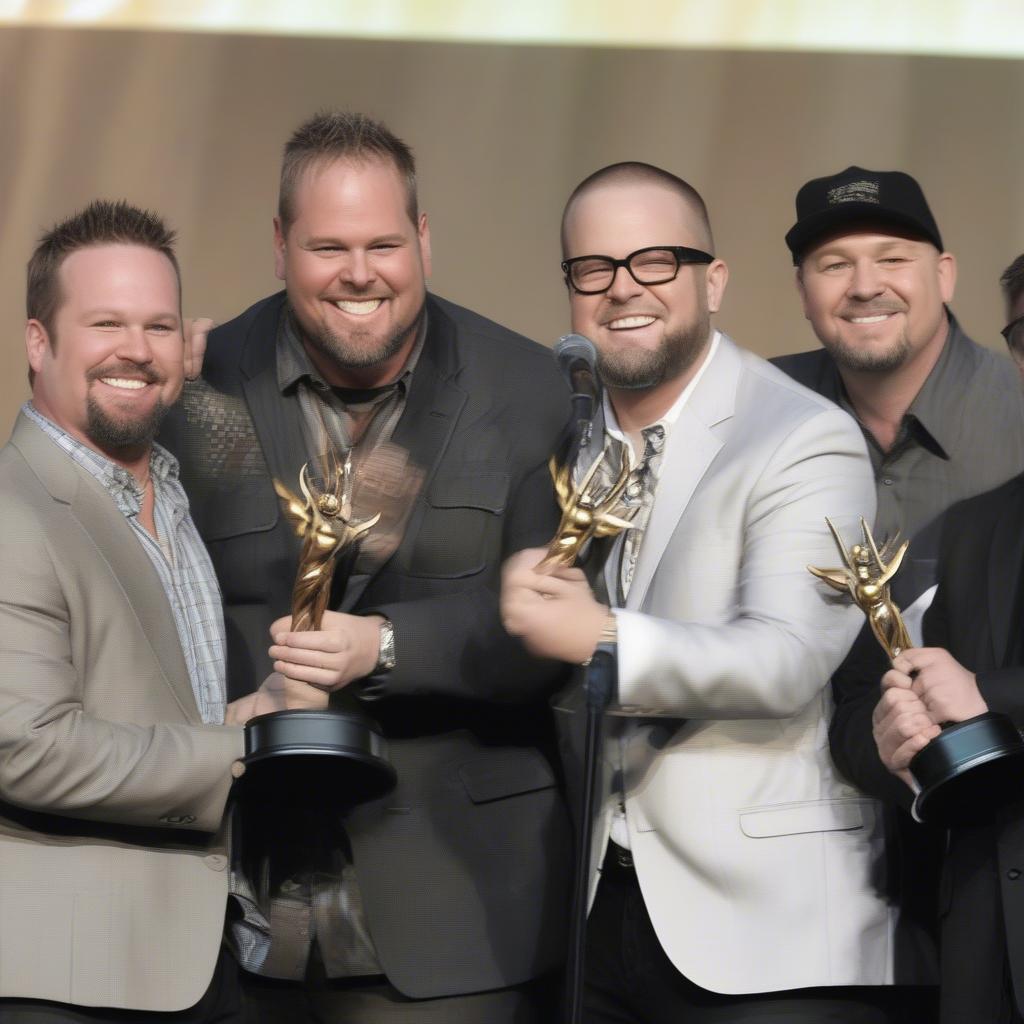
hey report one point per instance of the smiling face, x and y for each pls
(645, 335)
(355, 268)
(875, 300)
(113, 363)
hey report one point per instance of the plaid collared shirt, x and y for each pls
(179, 557)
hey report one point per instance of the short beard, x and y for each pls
(638, 370)
(121, 435)
(345, 352)
(849, 357)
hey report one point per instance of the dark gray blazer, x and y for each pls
(464, 866)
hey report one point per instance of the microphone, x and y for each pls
(577, 359)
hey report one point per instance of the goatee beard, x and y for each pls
(639, 370)
(122, 435)
(848, 357)
(346, 352)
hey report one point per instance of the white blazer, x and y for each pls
(755, 860)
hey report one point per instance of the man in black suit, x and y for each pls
(455, 910)
(972, 662)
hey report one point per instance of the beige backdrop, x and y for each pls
(192, 125)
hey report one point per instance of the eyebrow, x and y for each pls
(110, 311)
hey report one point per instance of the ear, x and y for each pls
(947, 275)
(279, 247)
(801, 290)
(715, 280)
(423, 233)
(37, 344)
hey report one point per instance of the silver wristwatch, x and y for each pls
(386, 657)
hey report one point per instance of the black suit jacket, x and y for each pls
(976, 615)
(464, 866)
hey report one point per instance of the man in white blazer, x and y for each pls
(736, 878)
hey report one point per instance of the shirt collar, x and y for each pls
(942, 390)
(928, 414)
(668, 421)
(115, 479)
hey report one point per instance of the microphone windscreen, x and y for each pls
(571, 347)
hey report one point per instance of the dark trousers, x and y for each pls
(374, 1001)
(220, 1004)
(630, 980)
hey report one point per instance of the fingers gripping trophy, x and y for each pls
(970, 766)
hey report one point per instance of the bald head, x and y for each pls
(633, 173)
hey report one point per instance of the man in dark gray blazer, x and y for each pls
(456, 907)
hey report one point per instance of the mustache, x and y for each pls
(135, 371)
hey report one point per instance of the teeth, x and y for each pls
(360, 308)
(128, 383)
(870, 319)
(626, 322)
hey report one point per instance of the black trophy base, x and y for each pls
(328, 760)
(968, 770)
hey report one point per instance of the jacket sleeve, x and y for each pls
(787, 631)
(57, 755)
(454, 644)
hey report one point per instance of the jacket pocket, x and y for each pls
(805, 816)
(505, 773)
(459, 531)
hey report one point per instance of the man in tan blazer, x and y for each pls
(736, 879)
(115, 764)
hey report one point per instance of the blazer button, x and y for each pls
(216, 861)
(1013, 874)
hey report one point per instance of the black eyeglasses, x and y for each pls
(1013, 332)
(657, 264)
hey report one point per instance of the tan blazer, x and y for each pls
(113, 879)
(754, 857)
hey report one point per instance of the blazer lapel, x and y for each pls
(1006, 555)
(117, 544)
(690, 449)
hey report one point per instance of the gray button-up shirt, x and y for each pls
(962, 435)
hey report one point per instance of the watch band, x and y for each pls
(386, 655)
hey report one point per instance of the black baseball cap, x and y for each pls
(824, 205)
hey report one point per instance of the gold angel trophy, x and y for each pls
(971, 766)
(591, 509)
(334, 757)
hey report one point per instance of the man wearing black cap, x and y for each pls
(875, 281)
(944, 420)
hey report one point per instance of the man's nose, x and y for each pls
(866, 281)
(357, 270)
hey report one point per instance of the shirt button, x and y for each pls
(1013, 874)
(633, 490)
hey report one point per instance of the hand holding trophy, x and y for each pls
(304, 769)
(972, 765)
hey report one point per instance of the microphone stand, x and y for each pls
(600, 682)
